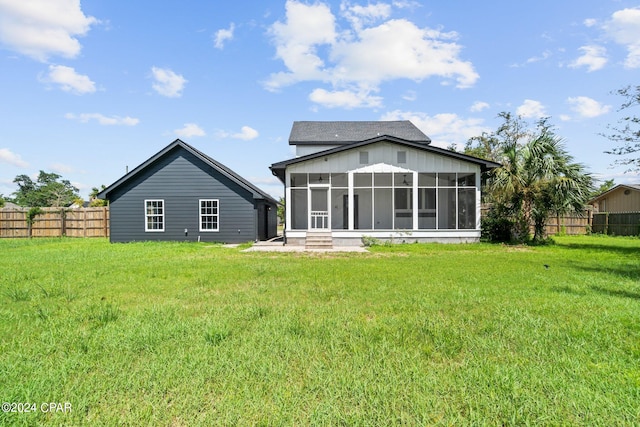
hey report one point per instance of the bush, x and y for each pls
(496, 226)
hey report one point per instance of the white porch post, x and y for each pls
(350, 202)
(478, 199)
(287, 202)
(415, 200)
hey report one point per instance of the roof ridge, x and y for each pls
(204, 157)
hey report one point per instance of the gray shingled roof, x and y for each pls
(339, 133)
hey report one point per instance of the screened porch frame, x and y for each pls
(386, 214)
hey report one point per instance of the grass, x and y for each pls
(193, 334)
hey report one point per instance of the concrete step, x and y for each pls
(319, 240)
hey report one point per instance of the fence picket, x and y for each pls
(94, 222)
(618, 224)
(56, 222)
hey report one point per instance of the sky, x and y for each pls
(90, 88)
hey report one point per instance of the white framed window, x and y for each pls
(209, 215)
(154, 215)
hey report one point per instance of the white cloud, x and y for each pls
(399, 49)
(344, 98)
(102, 119)
(11, 158)
(443, 129)
(365, 15)
(479, 106)
(624, 29)
(69, 80)
(307, 26)
(190, 130)
(167, 83)
(531, 109)
(406, 4)
(593, 57)
(61, 168)
(223, 35)
(589, 22)
(410, 95)
(587, 107)
(359, 59)
(542, 57)
(545, 55)
(43, 28)
(246, 134)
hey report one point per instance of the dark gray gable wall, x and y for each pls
(181, 180)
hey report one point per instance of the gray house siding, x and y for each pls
(181, 179)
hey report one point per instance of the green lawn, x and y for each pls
(196, 334)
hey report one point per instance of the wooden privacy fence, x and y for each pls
(619, 224)
(94, 222)
(56, 222)
(568, 224)
(572, 223)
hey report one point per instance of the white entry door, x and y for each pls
(319, 212)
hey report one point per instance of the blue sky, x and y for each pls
(91, 87)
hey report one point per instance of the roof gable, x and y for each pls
(632, 187)
(256, 192)
(348, 132)
(278, 169)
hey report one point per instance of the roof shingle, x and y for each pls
(348, 132)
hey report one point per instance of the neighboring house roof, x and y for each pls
(257, 193)
(85, 204)
(634, 187)
(11, 205)
(340, 133)
(278, 168)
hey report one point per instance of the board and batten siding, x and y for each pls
(384, 152)
(618, 201)
(181, 179)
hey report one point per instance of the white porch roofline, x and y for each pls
(380, 168)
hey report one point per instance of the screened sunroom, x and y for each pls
(383, 197)
(385, 188)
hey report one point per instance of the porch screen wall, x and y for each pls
(384, 201)
(365, 209)
(427, 201)
(467, 208)
(383, 211)
(299, 209)
(340, 210)
(446, 208)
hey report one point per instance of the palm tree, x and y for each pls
(538, 178)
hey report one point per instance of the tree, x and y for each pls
(93, 197)
(280, 212)
(604, 187)
(627, 132)
(47, 190)
(538, 177)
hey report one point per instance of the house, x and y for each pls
(621, 198)
(182, 194)
(380, 179)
